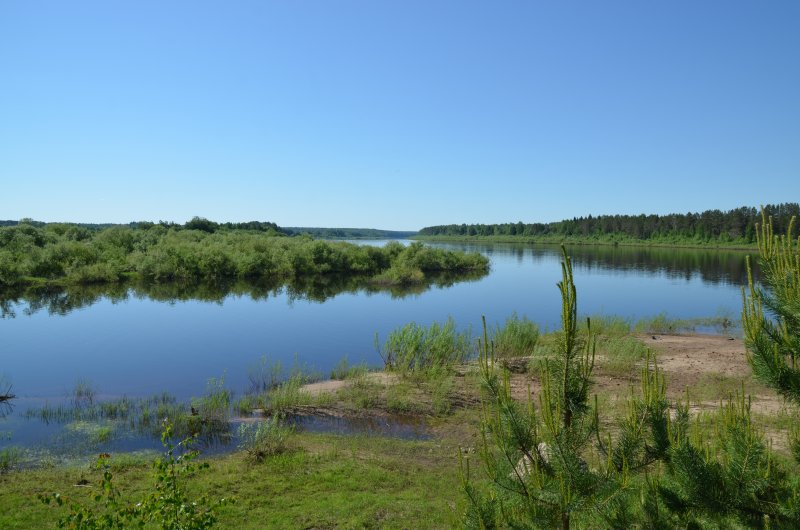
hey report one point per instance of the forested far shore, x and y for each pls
(349, 233)
(201, 250)
(732, 228)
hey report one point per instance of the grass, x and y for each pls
(287, 396)
(516, 338)
(621, 354)
(663, 324)
(321, 481)
(10, 457)
(362, 393)
(344, 370)
(263, 375)
(265, 438)
(415, 348)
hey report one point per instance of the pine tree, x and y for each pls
(550, 466)
(771, 314)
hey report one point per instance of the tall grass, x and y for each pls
(344, 370)
(287, 396)
(215, 405)
(264, 438)
(263, 375)
(10, 457)
(516, 338)
(415, 348)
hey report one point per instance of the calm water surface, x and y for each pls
(136, 342)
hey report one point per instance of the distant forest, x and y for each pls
(200, 223)
(348, 233)
(196, 223)
(710, 226)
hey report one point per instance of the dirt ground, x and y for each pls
(710, 367)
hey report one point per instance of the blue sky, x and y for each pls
(395, 114)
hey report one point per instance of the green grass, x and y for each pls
(287, 395)
(517, 337)
(344, 370)
(322, 481)
(362, 393)
(661, 323)
(621, 354)
(264, 438)
(416, 348)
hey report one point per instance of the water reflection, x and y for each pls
(61, 301)
(726, 267)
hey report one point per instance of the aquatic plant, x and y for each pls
(414, 348)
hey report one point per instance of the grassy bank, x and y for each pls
(320, 481)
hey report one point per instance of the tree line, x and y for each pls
(713, 226)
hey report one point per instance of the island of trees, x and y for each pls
(34, 253)
(735, 227)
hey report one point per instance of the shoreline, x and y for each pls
(738, 247)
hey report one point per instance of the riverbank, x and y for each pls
(325, 480)
(592, 241)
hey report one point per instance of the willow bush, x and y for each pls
(69, 254)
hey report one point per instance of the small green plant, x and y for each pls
(265, 438)
(168, 506)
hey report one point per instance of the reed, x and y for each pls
(414, 348)
(517, 337)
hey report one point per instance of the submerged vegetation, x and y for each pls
(203, 251)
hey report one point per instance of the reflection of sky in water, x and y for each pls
(140, 347)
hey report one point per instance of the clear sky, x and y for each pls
(395, 114)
